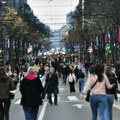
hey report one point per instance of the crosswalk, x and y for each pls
(65, 99)
(60, 99)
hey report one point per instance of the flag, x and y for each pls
(97, 41)
(20, 44)
(107, 37)
(7, 43)
(29, 44)
(119, 33)
(25, 45)
(36, 45)
(13, 44)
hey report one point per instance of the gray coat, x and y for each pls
(6, 85)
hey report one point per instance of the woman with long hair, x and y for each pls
(81, 79)
(98, 98)
(111, 93)
(6, 85)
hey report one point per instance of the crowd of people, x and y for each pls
(41, 79)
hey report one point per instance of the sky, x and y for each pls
(52, 12)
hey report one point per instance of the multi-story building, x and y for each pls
(69, 19)
(58, 34)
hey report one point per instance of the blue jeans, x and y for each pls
(81, 84)
(64, 78)
(31, 112)
(98, 102)
(108, 111)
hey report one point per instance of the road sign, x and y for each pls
(78, 105)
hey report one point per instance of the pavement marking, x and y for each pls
(18, 102)
(57, 98)
(118, 96)
(78, 105)
(68, 101)
(61, 89)
(73, 98)
(116, 106)
(42, 111)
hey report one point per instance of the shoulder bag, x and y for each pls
(88, 93)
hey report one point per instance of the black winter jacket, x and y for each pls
(31, 90)
(113, 90)
(53, 80)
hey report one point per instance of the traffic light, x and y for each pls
(108, 47)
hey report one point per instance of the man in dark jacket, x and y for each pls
(64, 73)
(31, 89)
(53, 86)
(76, 70)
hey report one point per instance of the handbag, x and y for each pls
(88, 93)
(11, 95)
(88, 96)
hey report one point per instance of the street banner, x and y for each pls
(107, 37)
(119, 33)
(96, 40)
(21, 44)
(7, 43)
(13, 44)
(25, 45)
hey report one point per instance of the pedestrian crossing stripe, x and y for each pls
(58, 99)
(118, 95)
(18, 102)
(73, 98)
(70, 98)
(61, 89)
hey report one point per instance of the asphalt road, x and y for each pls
(69, 107)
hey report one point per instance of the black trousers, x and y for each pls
(72, 86)
(4, 109)
(53, 90)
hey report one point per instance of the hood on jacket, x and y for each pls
(30, 76)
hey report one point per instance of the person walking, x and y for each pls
(31, 89)
(76, 70)
(53, 86)
(111, 93)
(98, 98)
(80, 78)
(64, 73)
(6, 85)
(71, 80)
(15, 78)
(46, 85)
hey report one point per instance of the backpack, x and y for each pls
(70, 78)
